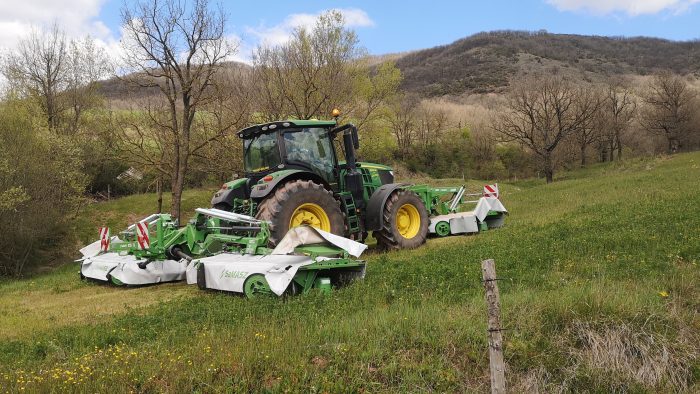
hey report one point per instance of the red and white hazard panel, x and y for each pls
(491, 191)
(142, 235)
(104, 239)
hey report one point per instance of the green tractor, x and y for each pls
(299, 172)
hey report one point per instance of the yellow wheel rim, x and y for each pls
(310, 214)
(408, 221)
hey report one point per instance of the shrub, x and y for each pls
(40, 183)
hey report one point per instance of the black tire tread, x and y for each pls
(273, 206)
(388, 238)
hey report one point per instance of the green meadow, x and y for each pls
(600, 293)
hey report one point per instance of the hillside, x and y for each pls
(600, 293)
(486, 62)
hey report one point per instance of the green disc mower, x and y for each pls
(223, 251)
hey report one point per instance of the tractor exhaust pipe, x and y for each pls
(351, 142)
(353, 178)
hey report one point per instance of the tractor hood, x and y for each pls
(373, 166)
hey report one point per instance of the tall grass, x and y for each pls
(600, 295)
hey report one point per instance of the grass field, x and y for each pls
(602, 294)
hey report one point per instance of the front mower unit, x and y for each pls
(305, 259)
(489, 213)
(454, 219)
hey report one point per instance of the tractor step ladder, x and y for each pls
(350, 212)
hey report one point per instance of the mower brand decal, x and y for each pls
(142, 235)
(491, 191)
(104, 239)
(225, 274)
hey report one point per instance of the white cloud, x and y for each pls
(76, 17)
(281, 33)
(629, 7)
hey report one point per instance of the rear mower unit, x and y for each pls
(155, 250)
(237, 245)
(301, 172)
(305, 259)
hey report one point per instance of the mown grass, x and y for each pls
(601, 295)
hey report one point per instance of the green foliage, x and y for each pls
(599, 295)
(40, 183)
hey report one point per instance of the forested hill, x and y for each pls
(485, 62)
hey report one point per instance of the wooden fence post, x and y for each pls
(498, 367)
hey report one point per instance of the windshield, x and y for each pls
(311, 146)
(261, 153)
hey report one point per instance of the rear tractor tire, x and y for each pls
(404, 223)
(301, 202)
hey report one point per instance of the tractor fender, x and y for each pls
(262, 190)
(375, 206)
(238, 189)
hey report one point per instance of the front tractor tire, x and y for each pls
(301, 202)
(404, 222)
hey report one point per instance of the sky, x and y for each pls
(383, 26)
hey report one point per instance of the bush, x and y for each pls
(40, 183)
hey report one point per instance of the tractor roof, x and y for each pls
(283, 124)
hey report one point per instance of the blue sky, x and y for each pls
(406, 25)
(385, 26)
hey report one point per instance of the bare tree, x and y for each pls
(38, 67)
(669, 109)
(402, 119)
(432, 122)
(312, 73)
(617, 113)
(60, 74)
(540, 113)
(590, 131)
(177, 48)
(87, 64)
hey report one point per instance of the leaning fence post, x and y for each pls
(497, 365)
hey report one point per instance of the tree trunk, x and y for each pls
(178, 186)
(159, 190)
(583, 155)
(612, 149)
(548, 168)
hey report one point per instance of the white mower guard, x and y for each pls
(229, 271)
(468, 222)
(125, 268)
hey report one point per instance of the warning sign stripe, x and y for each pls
(142, 235)
(104, 239)
(491, 191)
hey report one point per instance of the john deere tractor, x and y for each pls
(304, 172)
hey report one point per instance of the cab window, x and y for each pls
(311, 146)
(261, 153)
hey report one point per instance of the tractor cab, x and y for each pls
(291, 145)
